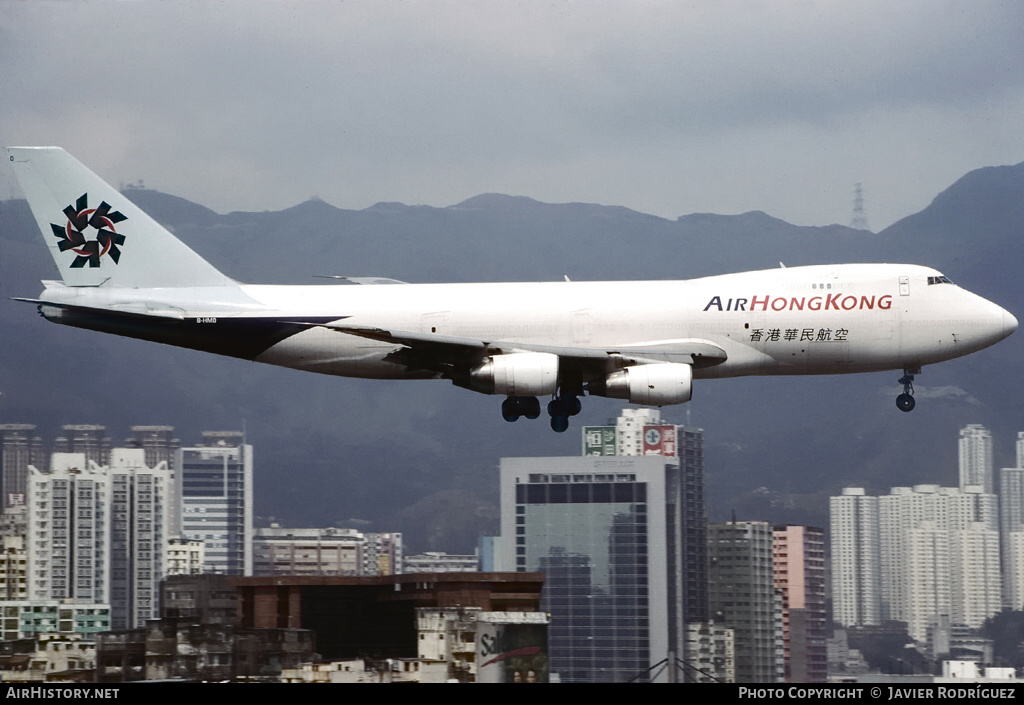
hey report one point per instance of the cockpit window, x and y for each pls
(938, 280)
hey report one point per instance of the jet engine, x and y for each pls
(653, 385)
(527, 374)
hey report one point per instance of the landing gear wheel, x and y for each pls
(559, 424)
(510, 409)
(905, 402)
(514, 407)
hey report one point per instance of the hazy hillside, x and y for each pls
(421, 457)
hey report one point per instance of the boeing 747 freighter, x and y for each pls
(643, 341)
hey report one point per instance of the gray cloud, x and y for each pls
(667, 108)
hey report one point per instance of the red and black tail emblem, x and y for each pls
(72, 235)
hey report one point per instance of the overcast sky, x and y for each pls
(664, 107)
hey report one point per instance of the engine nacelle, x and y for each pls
(526, 374)
(652, 385)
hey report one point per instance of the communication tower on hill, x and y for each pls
(860, 217)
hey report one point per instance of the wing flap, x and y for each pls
(446, 354)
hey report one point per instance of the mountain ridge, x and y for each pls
(331, 450)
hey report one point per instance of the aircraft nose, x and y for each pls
(1009, 323)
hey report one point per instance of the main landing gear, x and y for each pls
(905, 401)
(560, 408)
(514, 407)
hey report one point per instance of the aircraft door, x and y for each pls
(904, 286)
(581, 327)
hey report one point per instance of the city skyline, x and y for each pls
(145, 436)
(945, 560)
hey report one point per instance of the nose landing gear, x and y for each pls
(905, 401)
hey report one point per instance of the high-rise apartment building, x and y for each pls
(742, 596)
(142, 519)
(710, 653)
(68, 539)
(89, 439)
(977, 584)
(158, 442)
(630, 427)
(920, 530)
(98, 534)
(1013, 570)
(976, 458)
(606, 532)
(19, 448)
(185, 556)
(1011, 531)
(856, 572)
(383, 553)
(799, 564)
(13, 568)
(215, 489)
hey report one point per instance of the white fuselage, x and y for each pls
(799, 320)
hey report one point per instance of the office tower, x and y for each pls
(88, 439)
(799, 563)
(742, 596)
(215, 489)
(605, 531)
(922, 533)
(158, 442)
(327, 551)
(642, 432)
(976, 458)
(485, 549)
(856, 573)
(141, 522)
(693, 519)
(19, 448)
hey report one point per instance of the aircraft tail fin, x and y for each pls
(96, 235)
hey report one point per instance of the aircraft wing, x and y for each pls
(452, 354)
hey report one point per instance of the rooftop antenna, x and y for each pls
(860, 218)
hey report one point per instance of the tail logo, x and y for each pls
(72, 235)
